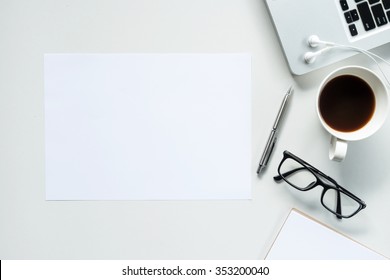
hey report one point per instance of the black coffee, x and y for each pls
(347, 103)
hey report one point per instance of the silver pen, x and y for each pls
(272, 137)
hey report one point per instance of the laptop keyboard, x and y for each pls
(365, 15)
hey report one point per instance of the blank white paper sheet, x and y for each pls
(147, 126)
(303, 238)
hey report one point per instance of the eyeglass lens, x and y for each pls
(296, 174)
(349, 205)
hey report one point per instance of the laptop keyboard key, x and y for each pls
(386, 4)
(373, 1)
(379, 14)
(353, 30)
(344, 5)
(365, 15)
(348, 17)
(355, 15)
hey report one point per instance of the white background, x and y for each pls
(32, 228)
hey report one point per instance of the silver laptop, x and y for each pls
(360, 23)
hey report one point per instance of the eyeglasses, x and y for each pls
(302, 176)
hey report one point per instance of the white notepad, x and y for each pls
(303, 238)
(147, 126)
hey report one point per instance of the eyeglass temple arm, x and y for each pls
(278, 178)
(349, 193)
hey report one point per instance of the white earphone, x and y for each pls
(314, 42)
(310, 57)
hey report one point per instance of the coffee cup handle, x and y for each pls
(338, 149)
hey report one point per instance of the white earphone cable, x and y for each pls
(314, 42)
(372, 56)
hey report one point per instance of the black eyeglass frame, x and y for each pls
(319, 182)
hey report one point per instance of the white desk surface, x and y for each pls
(32, 228)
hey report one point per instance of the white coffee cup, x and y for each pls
(331, 114)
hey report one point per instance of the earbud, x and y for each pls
(310, 57)
(314, 41)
